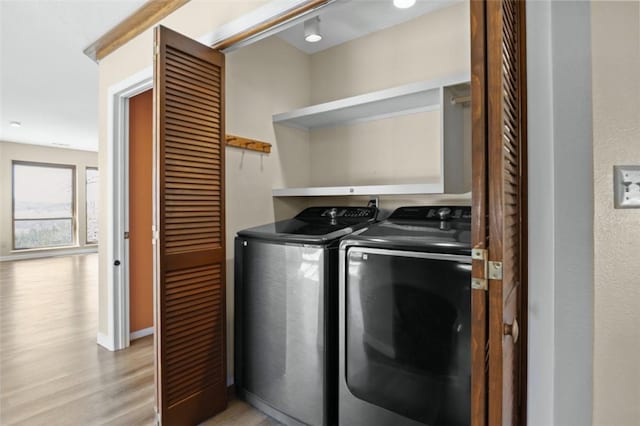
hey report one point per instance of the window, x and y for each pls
(43, 205)
(92, 195)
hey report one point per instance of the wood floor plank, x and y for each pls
(52, 371)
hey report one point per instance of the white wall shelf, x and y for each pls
(405, 189)
(410, 98)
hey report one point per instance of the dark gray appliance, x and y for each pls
(404, 320)
(286, 286)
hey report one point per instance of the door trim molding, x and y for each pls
(117, 178)
(133, 25)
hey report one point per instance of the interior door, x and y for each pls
(499, 215)
(140, 212)
(190, 282)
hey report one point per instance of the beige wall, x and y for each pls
(41, 154)
(398, 150)
(432, 46)
(616, 141)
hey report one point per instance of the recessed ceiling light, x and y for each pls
(403, 4)
(312, 30)
(15, 124)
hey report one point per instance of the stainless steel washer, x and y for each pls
(286, 313)
(404, 320)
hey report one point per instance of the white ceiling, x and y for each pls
(46, 82)
(345, 20)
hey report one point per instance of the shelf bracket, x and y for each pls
(250, 144)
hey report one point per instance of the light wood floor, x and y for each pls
(52, 372)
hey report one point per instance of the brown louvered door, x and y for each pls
(500, 222)
(190, 285)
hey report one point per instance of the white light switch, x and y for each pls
(626, 187)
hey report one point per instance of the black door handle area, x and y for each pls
(116, 263)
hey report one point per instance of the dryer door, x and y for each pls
(407, 333)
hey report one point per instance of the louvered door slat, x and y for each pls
(192, 88)
(184, 65)
(193, 63)
(190, 227)
(191, 289)
(192, 309)
(189, 75)
(186, 117)
(196, 81)
(201, 133)
(178, 145)
(197, 351)
(184, 345)
(194, 141)
(195, 167)
(197, 371)
(194, 284)
(190, 117)
(179, 148)
(208, 108)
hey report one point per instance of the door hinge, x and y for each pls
(480, 283)
(126, 235)
(156, 49)
(491, 270)
(495, 270)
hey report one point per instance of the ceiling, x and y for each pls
(46, 82)
(345, 20)
(50, 87)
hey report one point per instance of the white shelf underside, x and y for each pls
(407, 99)
(403, 189)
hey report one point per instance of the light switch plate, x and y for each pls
(626, 187)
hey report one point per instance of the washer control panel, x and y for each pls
(357, 213)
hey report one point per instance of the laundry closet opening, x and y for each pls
(379, 108)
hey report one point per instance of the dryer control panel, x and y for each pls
(439, 213)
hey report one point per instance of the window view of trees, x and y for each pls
(92, 204)
(43, 206)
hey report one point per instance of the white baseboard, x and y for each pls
(36, 254)
(141, 333)
(105, 341)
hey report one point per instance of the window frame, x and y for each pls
(74, 212)
(87, 241)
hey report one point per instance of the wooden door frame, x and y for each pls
(248, 27)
